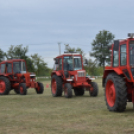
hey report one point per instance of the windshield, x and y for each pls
(72, 63)
(131, 52)
(19, 67)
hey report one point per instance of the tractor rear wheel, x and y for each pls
(5, 86)
(56, 86)
(23, 89)
(40, 88)
(115, 93)
(78, 91)
(68, 90)
(94, 91)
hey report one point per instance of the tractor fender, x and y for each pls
(109, 70)
(56, 73)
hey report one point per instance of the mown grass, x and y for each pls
(44, 114)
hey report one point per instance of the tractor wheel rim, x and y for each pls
(2, 86)
(54, 86)
(110, 93)
(21, 89)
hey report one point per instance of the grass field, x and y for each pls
(44, 114)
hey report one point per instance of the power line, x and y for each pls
(47, 44)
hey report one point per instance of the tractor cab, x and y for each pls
(70, 65)
(69, 62)
(122, 58)
(19, 67)
(13, 66)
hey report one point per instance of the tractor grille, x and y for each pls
(81, 74)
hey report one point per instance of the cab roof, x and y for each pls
(12, 60)
(69, 54)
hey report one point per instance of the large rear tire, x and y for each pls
(56, 86)
(94, 91)
(79, 91)
(23, 89)
(68, 90)
(5, 86)
(40, 88)
(115, 93)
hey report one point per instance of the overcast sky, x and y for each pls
(41, 24)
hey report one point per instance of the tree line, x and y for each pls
(35, 63)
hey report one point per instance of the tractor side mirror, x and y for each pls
(56, 61)
(86, 62)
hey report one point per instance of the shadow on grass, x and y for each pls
(130, 110)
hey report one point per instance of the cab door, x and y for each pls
(60, 68)
(9, 70)
(123, 60)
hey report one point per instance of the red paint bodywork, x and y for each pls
(119, 69)
(77, 81)
(16, 79)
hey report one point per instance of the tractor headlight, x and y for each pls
(32, 75)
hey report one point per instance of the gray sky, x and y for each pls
(41, 24)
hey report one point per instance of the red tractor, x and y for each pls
(118, 78)
(14, 75)
(68, 74)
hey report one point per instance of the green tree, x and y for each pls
(20, 52)
(90, 68)
(69, 49)
(93, 69)
(2, 55)
(100, 46)
(30, 65)
(79, 50)
(17, 52)
(39, 64)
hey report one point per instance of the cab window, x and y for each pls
(123, 55)
(56, 66)
(9, 68)
(115, 58)
(60, 64)
(116, 53)
(2, 68)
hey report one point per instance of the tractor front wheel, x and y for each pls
(68, 90)
(40, 88)
(94, 91)
(56, 86)
(23, 89)
(5, 86)
(115, 93)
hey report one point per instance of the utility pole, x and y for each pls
(59, 48)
